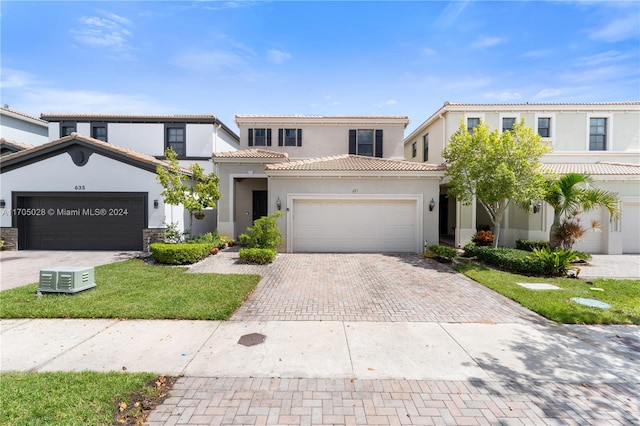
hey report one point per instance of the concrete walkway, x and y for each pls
(397, 339)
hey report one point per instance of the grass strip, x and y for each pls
(133, 289)
(556, 305)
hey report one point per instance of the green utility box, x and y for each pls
(66, 279)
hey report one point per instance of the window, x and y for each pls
(175, 138)
(425, 152)
(597, 134)
(472, 123)
(259, 137)
(289, 137)
(365, 142)
(507, 123)
(414, 149)
(66, 128)
(99, 131)
(544, 127)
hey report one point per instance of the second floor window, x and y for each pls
(99, 131)
(597, 134)
(425, 153)
(175, 138)
(414, 149)
(66, 128)
(365, 142)
(544, 127)
(507, 123)
(259, 137)
(472, 123)
(289, 137)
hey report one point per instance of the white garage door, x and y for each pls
(593, 239)
(630, 228)
(355, 226)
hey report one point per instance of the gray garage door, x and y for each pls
(80, 221)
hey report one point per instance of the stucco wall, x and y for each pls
(23, 131)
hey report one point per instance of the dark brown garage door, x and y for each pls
(80, 221)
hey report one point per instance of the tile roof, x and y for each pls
(134, 155)
(447, 103)
(22, 114)
(355, 163)
(15, 144)
(250, 153)
(323, 119)
(595, 169)
(165, 117)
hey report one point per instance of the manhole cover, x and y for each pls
(593, 303)
(252, 339)
(539, 286)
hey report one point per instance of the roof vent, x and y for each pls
(66, 279)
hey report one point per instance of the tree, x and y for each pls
(190, 187)
(570, 195)
(496, 168)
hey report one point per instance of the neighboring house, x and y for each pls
(9, 147)
(193, 137)
(341, 183)
(80, 193)
(599, 139)
(22, 128)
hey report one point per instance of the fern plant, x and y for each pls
(555, 261)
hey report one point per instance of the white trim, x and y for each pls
(418, 198)
(503, 115)
(609, 134)
(552, 129)
(467, 115)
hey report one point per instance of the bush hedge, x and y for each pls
(179, 254)
(510, 259)
(443, 252)
(529, 245)
(261, 256)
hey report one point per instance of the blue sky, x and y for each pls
(313, 58)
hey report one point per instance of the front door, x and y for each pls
(259, 204)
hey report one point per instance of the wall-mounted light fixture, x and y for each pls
(3, 204)
(432, 204)
(537, 206)
(279, 204)
(156, 204)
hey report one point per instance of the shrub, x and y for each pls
(261, 256)
(264, 233)
(443, 253)
(173, 235)
(529, 245)
(179, 254)
(510, 259)
(483, 238)
(582, 256)
(555, 262)
(208, 238)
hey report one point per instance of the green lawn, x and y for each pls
(85, 398)
(133, 289)
(622, 295)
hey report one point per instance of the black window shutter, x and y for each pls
(378, 151)
(268, 137)
(352, 142)
(280, 137)
(299, 137)
(250, 137)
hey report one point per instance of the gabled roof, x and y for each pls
(354, 163)
(74, 141)
(250, 153)
(594, 169)
(15, 145)
(139, 118)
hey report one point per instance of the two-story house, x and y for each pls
(598, 139)
(94, 186)
(341, 183)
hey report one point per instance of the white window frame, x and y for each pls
(609, 142)
(468, 115)
(515, 115)
(552, 126)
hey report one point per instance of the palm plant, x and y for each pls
(571, 194)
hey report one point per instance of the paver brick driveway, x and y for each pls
(365, 287)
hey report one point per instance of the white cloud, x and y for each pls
(485, 42)
(427, 51)
(604, 58)
(389, 102)
(503, 96)
(108, 30)
(212, 61)
(618, 30)
(451, 13)
(278, 56)
(10, 78)
(537, 53)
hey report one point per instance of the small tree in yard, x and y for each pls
(192, 188)
(496, 168)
